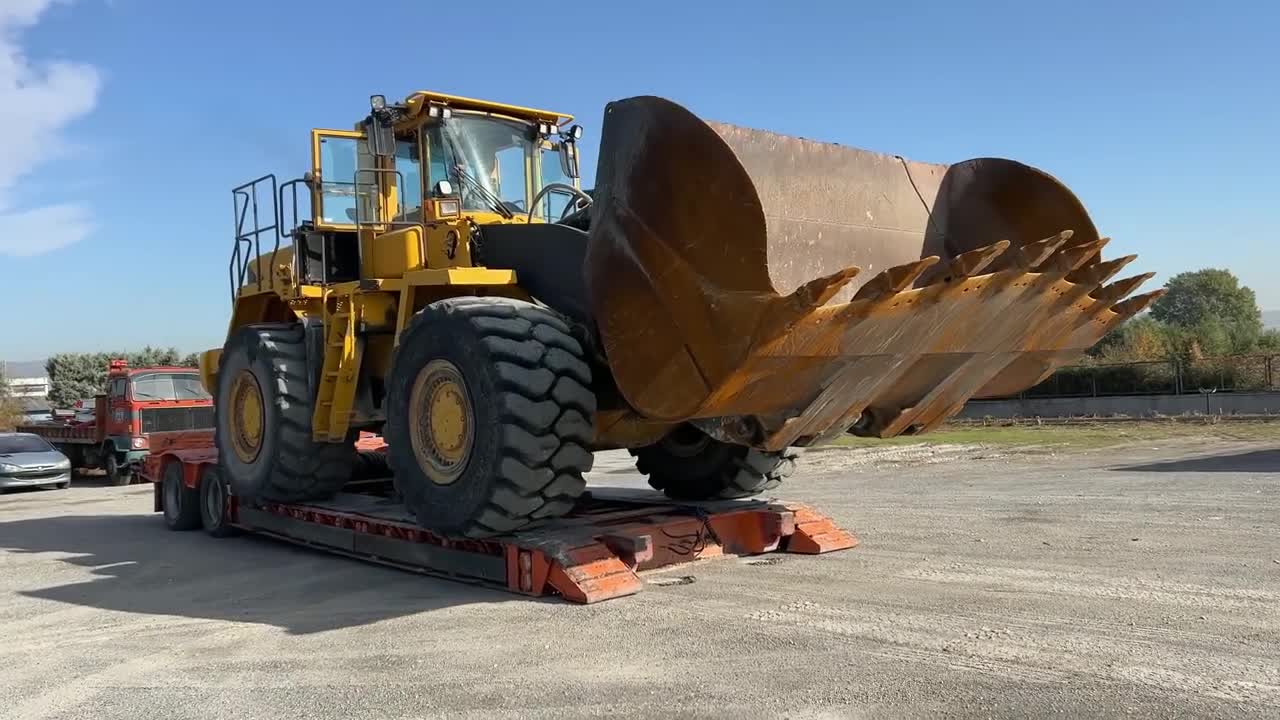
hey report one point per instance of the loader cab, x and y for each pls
(402, 190)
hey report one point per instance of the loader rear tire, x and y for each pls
(688, 464)
(489, 413)
(262, 420)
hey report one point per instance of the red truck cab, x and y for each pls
(138, 403)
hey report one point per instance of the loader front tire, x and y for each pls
(262, 423)
(489, 412)
(688, 464)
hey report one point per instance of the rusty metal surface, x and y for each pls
(741, 273)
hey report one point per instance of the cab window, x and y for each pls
(168, 386)
(553, 204)
(340, 158)
(409, 167)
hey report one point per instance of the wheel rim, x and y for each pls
(686, 441)
(213, 500)
(441, 422)
(247, 417)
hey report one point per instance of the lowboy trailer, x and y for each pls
(595, 553)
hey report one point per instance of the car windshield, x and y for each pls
(485, 159)
(168, 386)
(14, 444)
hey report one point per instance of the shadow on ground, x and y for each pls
(141, 567)
(1253, 461)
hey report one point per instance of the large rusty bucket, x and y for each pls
(813, 287)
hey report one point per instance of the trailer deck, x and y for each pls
(594, 554)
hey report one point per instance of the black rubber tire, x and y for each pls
(181, 504)
(213, 503)
(289, 466)
(116, 476)
(532, 406)
(690, 465)
(63, 485)
(371, 465)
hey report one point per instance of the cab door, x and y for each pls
(119, 418)
(346, 187)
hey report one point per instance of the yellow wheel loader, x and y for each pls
(723, 296)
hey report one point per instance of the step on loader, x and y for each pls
(722, 297)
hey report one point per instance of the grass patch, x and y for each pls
(1079, 434)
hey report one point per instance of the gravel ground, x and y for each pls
(1139, 581)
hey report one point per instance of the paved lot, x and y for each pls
(1142, 581)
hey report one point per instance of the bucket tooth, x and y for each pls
(1095, 275)
(974, 262)
(895, 279)
(1117, 290)
(1136, 304)
(1031, 255)
(785, 312)
(819, 292)
(1070, 258)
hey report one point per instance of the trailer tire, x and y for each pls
(213, 503)
(489, 413)
(688, 464)
(180, 503)
(117, 476)
(262, 420)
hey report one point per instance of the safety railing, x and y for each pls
(248, 239)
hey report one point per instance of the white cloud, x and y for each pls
(39, 230)
(37, 101)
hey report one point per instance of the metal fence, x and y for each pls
(1237, 373)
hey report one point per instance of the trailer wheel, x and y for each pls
(181, 504)
(262, 420)
(117, 475)
(489, 416)
(688, 464)
(213, 503)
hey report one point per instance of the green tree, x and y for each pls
(10, 410)
(1213, 305)
(76, 376)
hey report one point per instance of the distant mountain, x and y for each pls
(1271, 318)
(25, 368)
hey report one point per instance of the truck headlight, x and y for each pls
(139, 443)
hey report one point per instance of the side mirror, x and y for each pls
(443, 188)
(569, 158)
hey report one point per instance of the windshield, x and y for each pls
(168, 386)
(13, 444)
(485, 159)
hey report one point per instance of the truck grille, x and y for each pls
(170, 419)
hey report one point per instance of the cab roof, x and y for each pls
(417, 102)
(159, 368)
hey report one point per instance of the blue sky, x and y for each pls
(124, 123)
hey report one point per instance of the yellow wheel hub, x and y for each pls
(247, 418)
(441, 421)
